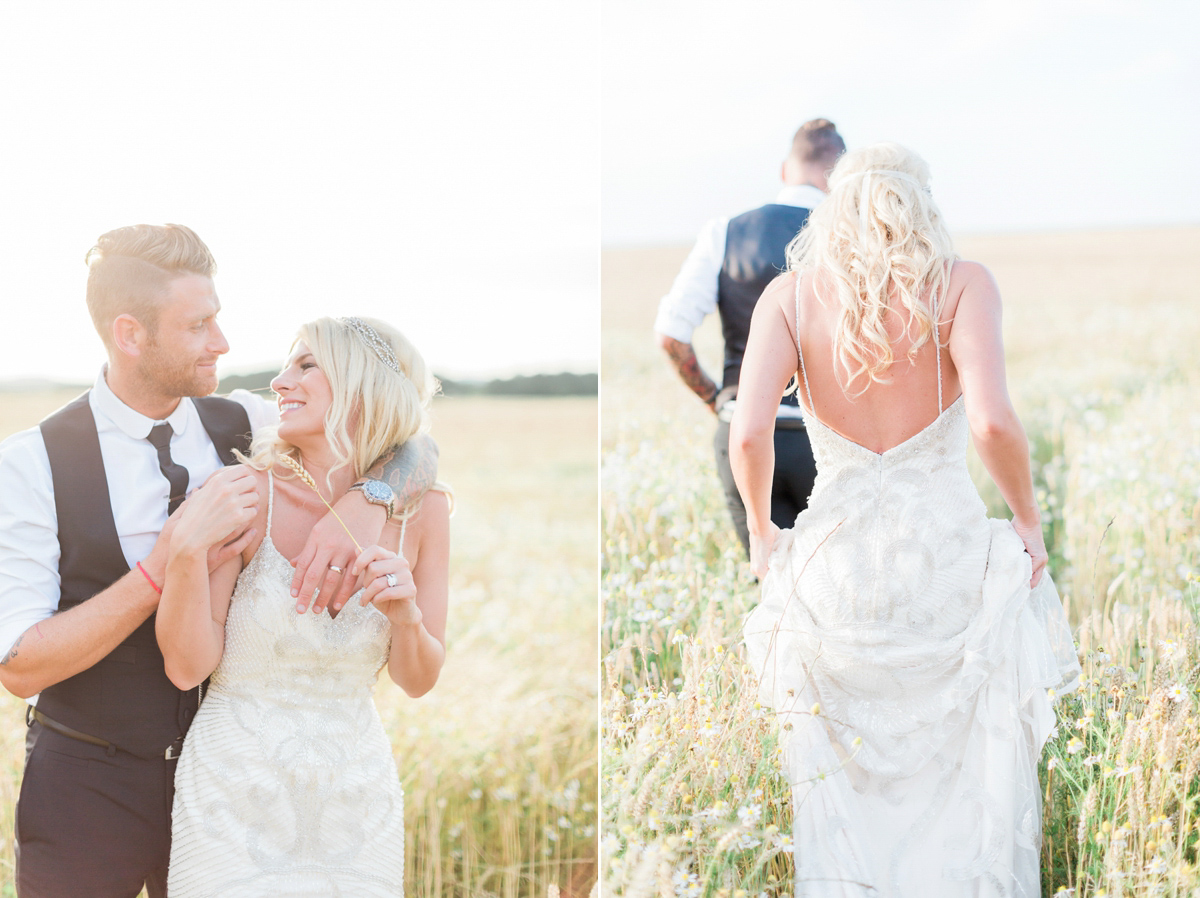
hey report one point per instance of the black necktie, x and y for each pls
(177, 475)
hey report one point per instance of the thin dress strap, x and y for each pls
(937, 340)
(270, 499)
(937, 346)
(803, 373)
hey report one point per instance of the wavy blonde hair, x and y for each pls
(374, 408)
(878, 244)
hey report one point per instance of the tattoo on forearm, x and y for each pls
(12, 652)
(684, 358)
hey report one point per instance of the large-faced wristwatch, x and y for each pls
(378, 493)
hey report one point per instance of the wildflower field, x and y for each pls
(498, 762)
(1101, 331)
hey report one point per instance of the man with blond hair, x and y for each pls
(84, 535)
(727, 270)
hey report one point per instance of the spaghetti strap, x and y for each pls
(803, 373)
(270, 500)
(937, 346)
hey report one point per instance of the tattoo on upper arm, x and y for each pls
(12, 652)
(410, 471)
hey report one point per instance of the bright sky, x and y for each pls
(432, 164)
(1033, 114)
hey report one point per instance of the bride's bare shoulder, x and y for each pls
(782, 289)
(972, 274)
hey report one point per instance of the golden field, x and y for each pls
(498, 762)
(1100, 331)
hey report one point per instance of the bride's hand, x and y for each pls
(1035, 546)
(388, 582)
(760, 550)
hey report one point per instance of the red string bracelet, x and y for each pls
(149, 579)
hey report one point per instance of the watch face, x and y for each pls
(378, 490)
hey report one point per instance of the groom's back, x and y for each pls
(755, 245)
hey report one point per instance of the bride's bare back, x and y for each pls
(885, 414)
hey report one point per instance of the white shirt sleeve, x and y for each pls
(262, 411)
(29, 551)
(694, 293)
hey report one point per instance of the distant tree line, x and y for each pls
(562, 384)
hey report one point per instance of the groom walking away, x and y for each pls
(84, 533)
(727, 270)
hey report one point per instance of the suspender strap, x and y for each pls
(227, 424)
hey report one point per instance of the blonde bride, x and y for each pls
(904, 639)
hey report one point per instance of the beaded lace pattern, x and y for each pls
(287, 784)
(903, 615)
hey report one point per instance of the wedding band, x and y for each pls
(391, 579)
(335, 568)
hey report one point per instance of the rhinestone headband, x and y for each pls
(371, 337)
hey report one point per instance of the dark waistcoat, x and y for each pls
(754, 255)
(125, 698)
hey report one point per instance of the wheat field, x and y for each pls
(498, 762)
(1100, 331)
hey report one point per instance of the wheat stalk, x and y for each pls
(298, 468)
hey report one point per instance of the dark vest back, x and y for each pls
(125, 698)
(754, 255)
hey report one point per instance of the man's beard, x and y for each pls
(174, 377)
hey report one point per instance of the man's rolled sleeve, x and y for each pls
(29, 552)
(693, 296)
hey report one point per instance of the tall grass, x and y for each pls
(1101, 367)
(498, 762)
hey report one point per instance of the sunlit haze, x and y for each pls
(434, 165)
(1033, 114)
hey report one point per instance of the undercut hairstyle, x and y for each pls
(130, 271)
(818, 141)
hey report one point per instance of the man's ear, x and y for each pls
(129, 335)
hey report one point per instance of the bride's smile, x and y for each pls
(305, 396)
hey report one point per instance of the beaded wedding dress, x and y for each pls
(907, 660)
(287, 784)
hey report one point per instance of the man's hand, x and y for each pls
(329, 546)
(222, 552)
(156, 562)
(683, 357)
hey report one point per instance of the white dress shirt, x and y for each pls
(138, 492)
(694, 293)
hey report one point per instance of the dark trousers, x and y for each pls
(795, 472)
(90, 823)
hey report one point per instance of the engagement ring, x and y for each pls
(391, 579)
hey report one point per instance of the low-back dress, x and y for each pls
(287, 784)
(907, 659)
